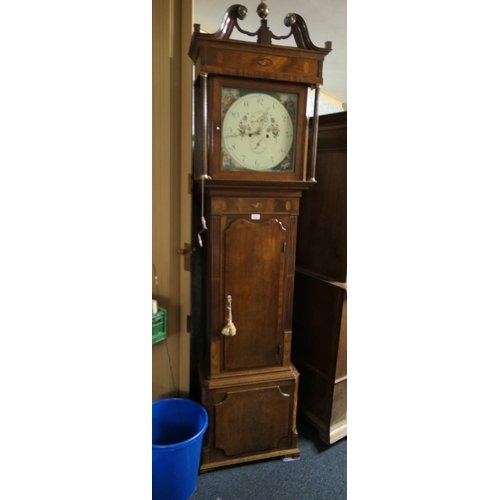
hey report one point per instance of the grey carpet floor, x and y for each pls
(319, 474)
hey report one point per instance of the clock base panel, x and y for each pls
(250, 418)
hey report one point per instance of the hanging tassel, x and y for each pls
(229, 329)
(203, 220)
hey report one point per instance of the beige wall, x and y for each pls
(171, 219)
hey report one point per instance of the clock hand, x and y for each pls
(264, 115)
(242, 134)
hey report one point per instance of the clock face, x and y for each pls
(258, 130)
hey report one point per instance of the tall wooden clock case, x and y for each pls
(251, 166)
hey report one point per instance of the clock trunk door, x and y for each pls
(254, 252)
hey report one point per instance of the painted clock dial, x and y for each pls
(258, 130)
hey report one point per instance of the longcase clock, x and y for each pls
(251, 166)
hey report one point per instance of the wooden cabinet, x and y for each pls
(319, 349)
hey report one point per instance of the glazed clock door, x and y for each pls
(254, 253)
(257, 130)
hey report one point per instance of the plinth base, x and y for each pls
(251, 417)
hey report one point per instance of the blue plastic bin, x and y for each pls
(178, 428)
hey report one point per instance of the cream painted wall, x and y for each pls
(171, 208)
